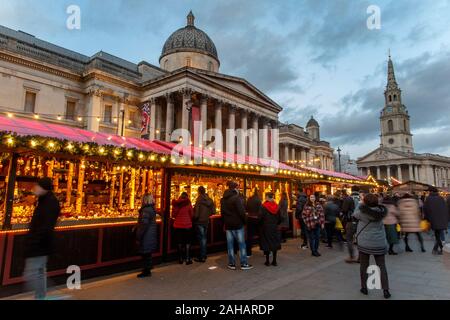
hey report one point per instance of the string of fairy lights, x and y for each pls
(121, 153)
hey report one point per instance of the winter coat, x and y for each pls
(270, 238)
(301, 201)
(409, 215)
(348, 207)
(370, 233)
(448, 206)
(283, 206)
(233, 210)
(391, 218)
(39, 240)
(436, 211)
(332, 211)
(203, 209)
(146, 230)
(313, 216)
(253, 207)
(183, 213)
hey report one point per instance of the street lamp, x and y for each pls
(339, 159)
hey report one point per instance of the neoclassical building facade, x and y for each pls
(395, 158)
(104, 93)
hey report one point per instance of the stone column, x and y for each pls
(243, 137)
(416, 173)
(399, 173)
(152, 119)
(265, 140)
(203, 115)
(388, 172)
(121, 119)
(286, 152)
(411, 173)
(254, 138)
(293, 153)
(94, 105)
(170, 116)
(185, 109)
(378, 173)
(218, 125)
(368, 171)
(232, 126)
(158, 126)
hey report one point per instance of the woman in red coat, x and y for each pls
(183, 213)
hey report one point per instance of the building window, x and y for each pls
(390, 126)
(210, 66)
(395, 97)
(166, 64)
(70, 110)
(133, 121)
(188, 62)
(407, 141)
(30, 101)
(404, 125)
(390, 98)
(107, 114)
(391, 141)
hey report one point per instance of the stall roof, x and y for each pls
(27, 127)
(335, 174)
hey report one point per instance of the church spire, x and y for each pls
(190, 19)
(391, 82)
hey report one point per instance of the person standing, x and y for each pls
(390, 223)
(436, 212)
(40, 237)
(301, 201)
(203, 209)
(270, 219)
(347, 209)
(234, 219)
(332, 211)
(315, 221)
(253, 206)
(146, 234)
(183, 213)
(410, 217)
(371, 240)
(284, 214)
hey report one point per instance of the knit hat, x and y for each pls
(45, 183)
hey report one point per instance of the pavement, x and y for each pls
(413, 276)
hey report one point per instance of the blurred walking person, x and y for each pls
(349, 223)
(410, 217)
(371, 240)
(436, 212)
(390, 223)
(203, 209)
(234, 219)
(253, 206)
(301, 201)
(146, 234)
(183, 214)
(40, 238)
(314, 219)
(332, 211)
(284, 214)
(270, 237)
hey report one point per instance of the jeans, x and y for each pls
(304, 232)
(202, 232)
(314, 238)
(439, 238)
(380, 261)
(238, 236)
(147, 262)
(350, 230)
(35, 274)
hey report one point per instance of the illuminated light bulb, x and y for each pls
(59, 117)
(246, 167)
(163, 159)
(80, 119)
(157, 131)
(191, 162)
(173, 160)
(141, 156)
(200, 146)
(70, 146)
(102, 150)
(36, 116)
(205, 161)
(115, 120)
(152, 157)
(116, 152)
(10, 115)
(98, 119)
(10, 141)
(129, 154)
(129, 121)
(86, 147)
(33, 143)
(51, 144)
(213, 162)
(182, 161)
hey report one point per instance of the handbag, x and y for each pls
(425, 225)
(339, 225)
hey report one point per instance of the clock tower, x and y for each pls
(394, 118)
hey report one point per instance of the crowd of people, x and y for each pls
(368, 224)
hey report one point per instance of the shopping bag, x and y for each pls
(339, 225)
(425, 225)
(398, 228)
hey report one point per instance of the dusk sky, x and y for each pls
(312, 57)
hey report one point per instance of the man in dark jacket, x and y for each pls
(253, 206)
(301, 201)
(234, 218)
(203, 209)
(436, 212)
(39, 241)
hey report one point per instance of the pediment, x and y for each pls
(381, 154)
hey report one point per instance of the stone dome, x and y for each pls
(190, 39)
(312, 123)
